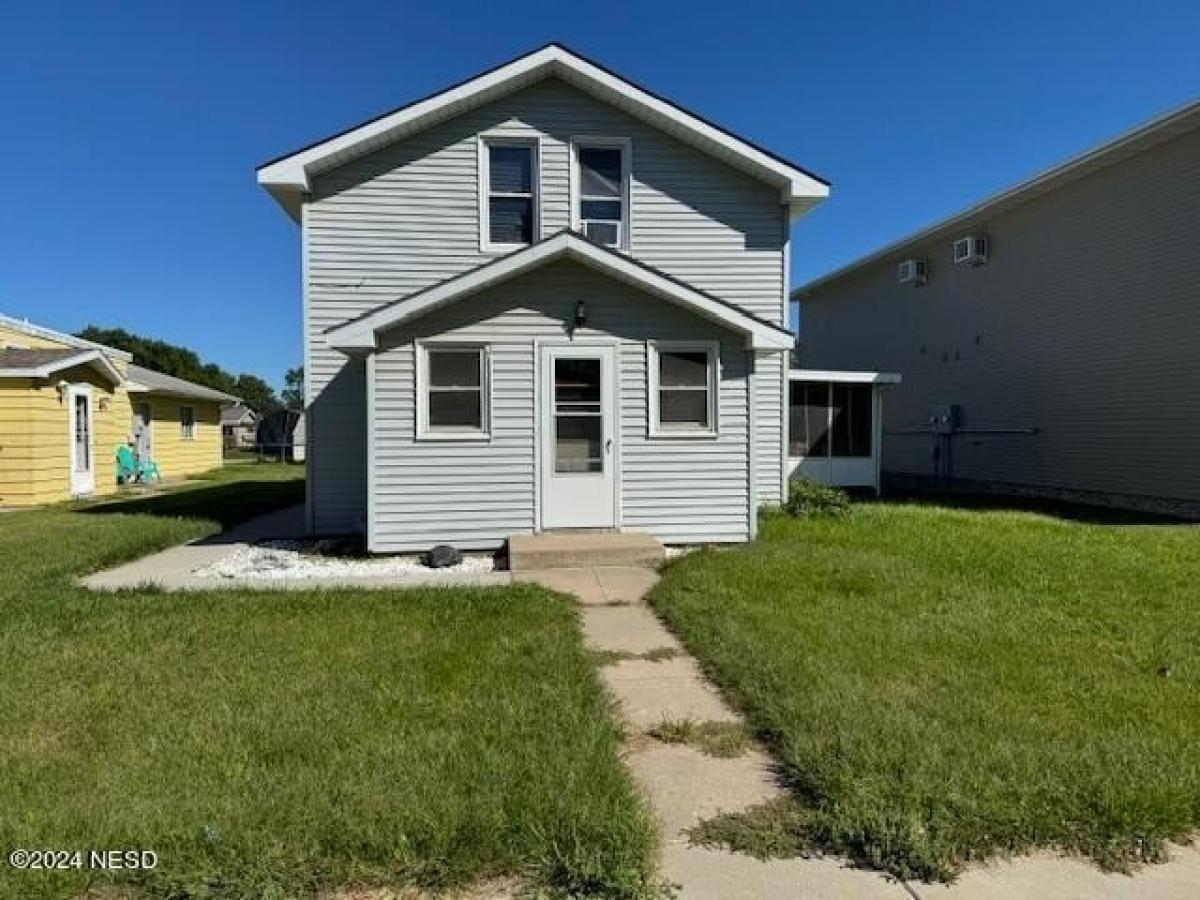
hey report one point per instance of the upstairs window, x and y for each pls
(683, 389)
(509, 181)
(601, 186)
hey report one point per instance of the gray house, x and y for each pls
(1048, 336)
(543, 298)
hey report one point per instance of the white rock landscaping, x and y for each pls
(283, 561)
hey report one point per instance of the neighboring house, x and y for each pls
(543, 298)
(239, 424)
(1057, 354)
(66, 404)
(176, 422)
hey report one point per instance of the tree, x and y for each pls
(181, 362)
(293, 388)
(255, 393)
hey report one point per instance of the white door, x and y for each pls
(141, 432)
(83, 474)
(578, 456)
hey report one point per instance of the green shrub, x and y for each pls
(807, 498)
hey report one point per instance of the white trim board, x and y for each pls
(289, 178)
(361, 334)
(840, 377)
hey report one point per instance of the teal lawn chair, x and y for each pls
(131, 469)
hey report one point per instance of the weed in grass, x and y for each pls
(612, 657)
(723, 740)
(777, 829)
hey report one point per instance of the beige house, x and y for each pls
(66, 404)
(1047, 336)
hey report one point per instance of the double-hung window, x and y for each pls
(509, 193)
(683, 389)
(452, 392)
(600, 207)
(187, 423)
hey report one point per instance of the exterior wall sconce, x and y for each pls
(580, 314)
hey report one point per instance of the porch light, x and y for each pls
(580, 314)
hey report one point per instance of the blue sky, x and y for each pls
(131, 130)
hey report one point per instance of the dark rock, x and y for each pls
(442, 556)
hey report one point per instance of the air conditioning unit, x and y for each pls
(971, 250)
(602, 231)
(912, 271)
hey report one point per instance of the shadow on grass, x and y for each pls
(1059, 509)
(227, 503)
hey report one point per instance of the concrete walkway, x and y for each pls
(685, 786)
(173, 569)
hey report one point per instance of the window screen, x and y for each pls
(829, 419)
(455, 399)
(684, 383)
(602, 194)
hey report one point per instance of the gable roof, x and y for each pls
(288, 177)
(360, 334)
(1128, 144)
(26, 327)
(238, 414)
(44, 362)
(147, 381)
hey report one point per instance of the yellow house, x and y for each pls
(66, 404)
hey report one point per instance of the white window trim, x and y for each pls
(183, 434)
(507, 139)
(625, 145)
(713, 349)
(423, 431)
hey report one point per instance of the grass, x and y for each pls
(723, 740)
(943, 685)
(282, 744)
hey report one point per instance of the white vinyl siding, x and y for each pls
(407, 216)
(477, 494)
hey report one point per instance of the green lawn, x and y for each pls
(947, 684)
(272, 745)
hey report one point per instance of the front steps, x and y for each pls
(581, 550)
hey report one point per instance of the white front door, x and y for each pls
(79, 437)
(578, 456)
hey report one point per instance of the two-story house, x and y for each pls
(543, 298)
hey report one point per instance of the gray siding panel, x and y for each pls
(406, 217)
(1082, 325)
(475, 494)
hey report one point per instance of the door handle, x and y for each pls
(608, 446)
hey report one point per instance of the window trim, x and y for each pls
(653, 351)
(424, 432)
(486, 141)
(625, 145)
(187, 431)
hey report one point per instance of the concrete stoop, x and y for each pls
(581, 550)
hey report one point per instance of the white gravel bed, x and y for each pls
(283, 561)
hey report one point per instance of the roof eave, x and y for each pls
(288, 178)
